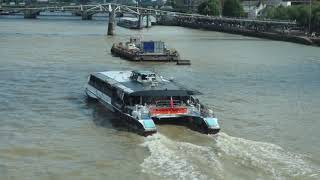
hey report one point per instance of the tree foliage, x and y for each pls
(232, 8)
(210, 7)
(171, 3)
(299, 13)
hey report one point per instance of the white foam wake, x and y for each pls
(227, 158)
(270, 159)
(177, 160)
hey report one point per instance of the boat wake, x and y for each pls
(226, 158)
(178, 160)
(266, 159)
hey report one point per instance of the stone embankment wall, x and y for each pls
(172, 21)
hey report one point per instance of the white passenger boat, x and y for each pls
(142, 98)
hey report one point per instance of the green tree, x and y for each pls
(210, 7)
(316, 17)
(232, 8)
(171, 3)
(299, 13)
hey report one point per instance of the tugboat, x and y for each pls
(137, 50)
(129, 22)
(142, 98)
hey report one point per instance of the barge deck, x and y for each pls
(136, 50)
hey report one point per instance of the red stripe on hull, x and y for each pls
(163, 111)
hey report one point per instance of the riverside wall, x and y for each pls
(280, 36)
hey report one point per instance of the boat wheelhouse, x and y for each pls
(142, 98)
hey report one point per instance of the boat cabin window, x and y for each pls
(161, 101)
(134, 76)
(143, 76)
(100, 85)
(151, 77)
(133, 100)
(167, 103)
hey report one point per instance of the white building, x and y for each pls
(252, 8)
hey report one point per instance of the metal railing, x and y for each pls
(108, 7)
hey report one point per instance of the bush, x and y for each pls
(211, 7)
(232, 8)
(299, 13)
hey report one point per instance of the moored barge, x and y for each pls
(137, 50)
(129, 22)
(142, 98)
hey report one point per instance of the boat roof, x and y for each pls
(122, 81)
(146, 72)
(129, 18)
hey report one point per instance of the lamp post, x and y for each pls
(309, 17)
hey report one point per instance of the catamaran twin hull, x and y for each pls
(141, 99)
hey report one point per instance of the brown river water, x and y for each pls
(265, 93)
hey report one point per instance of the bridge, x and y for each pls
(87, 11)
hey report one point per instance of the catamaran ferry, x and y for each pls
(142, 98)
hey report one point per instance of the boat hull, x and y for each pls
(133, 124)
(90, 94)
(195, 123)
(139, 113)
(129, 26)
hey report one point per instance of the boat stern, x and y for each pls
(149, 127)
(212, 125)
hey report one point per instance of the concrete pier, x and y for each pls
(140, 21)
(30, 14)
(111, 24)
(76, 13)
(86, 16)
(148, 25)
(258, 29)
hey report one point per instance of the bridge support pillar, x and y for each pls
(140, 21)
(30, 14)
(76, 13)
(148, 24)
(111, 24)
(86, 16)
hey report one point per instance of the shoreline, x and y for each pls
(315, 41)
(246, 32)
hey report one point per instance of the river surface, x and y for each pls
(265, 93)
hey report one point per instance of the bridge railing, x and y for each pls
(141, 10)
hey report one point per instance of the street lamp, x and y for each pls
(309, 17)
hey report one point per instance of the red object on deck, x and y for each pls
(171, 102)
(163, 111)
